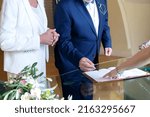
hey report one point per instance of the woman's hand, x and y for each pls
(50, 37)
(112, 74)
(55, 37)
(144, 45)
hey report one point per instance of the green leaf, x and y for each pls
(7, 92)
(6, 96)
(12, 85)
(33, 72)
(12, 95)
(25, 88)
(29, 86)
(34, 64)
(25, 69)
(39, 75)
(1, 97)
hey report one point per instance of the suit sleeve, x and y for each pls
(10, 38)
(63, 26)
(106, 38)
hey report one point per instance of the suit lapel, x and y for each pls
(80, 5)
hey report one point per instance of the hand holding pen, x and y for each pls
(86, 65)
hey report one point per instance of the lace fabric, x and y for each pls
(144, 45)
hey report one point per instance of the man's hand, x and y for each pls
(86, 65)
(108, 51)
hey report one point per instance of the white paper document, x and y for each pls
(97, 75)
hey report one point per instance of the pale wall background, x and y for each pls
(130, 25)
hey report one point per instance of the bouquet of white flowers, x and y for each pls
(26, 87)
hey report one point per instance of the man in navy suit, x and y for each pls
(82, 25)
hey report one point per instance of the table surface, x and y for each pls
(131, 89)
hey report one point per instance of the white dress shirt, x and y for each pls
(93, 11)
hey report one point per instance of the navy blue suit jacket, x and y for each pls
(77, 33)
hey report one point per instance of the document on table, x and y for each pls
(97, 75)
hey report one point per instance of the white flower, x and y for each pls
(11, 81)
(30, 80)
(33, 82)
(36, 93)
(26, 96)
(24, 77)
(18, 93)
(51, 89)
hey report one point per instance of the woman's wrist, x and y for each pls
(41, 39)
(118, 71)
